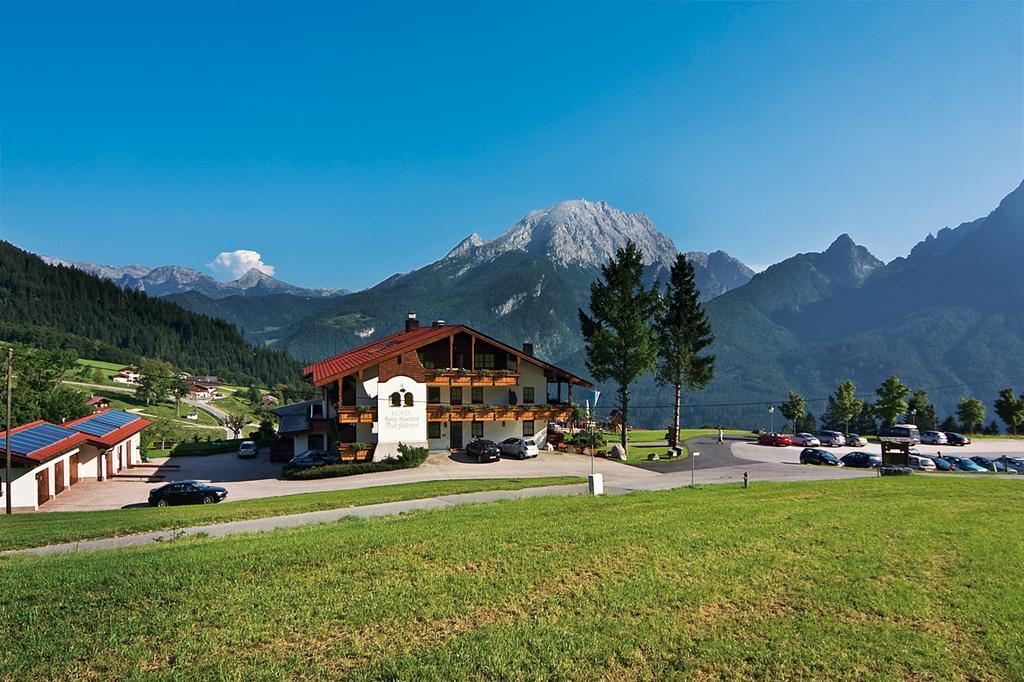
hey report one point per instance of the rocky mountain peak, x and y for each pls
(575, 232)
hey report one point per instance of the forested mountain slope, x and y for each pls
(57, 306)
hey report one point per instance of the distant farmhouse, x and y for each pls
(48, 459)
(127, 375)
(438, 387)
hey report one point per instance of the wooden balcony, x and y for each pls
(497, 413)
(352, 414)
(349, 453)
(481, 377)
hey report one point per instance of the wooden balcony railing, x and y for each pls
(356, 452)
(481, 377)
(497, 413)
(353, 414)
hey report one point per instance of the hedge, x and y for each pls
(410, 458)
(212, 447)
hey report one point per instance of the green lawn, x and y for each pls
(127, 401)
(644, 442)
(877, 578)
(85, 371)
(36, 530)
(233, 405)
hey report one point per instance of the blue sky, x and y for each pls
(346, 143)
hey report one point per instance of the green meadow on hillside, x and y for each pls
(855, 579)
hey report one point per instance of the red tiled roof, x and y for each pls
(400, 342)
(376, 351)
(47, 452)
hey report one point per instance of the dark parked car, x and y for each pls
(186, 492)
(993, 464)
(816, 456)
(964, 464)
(312, 458)
(957, 439)
(862, 460)
(1016, 463)
(779, 439)
(483, 450)
(941, 463)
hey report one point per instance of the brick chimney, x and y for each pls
(411, 322)
(528, 348)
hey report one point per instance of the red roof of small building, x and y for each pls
(395, 344)
(46, 452)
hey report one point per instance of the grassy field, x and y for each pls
(86, 372)
(644, 442)
(915, 578)
(234, 405)
(36, 530)
(127, 401)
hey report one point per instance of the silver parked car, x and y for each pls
(933, 438)
(518, 447)
(247, 450)
(833, 439)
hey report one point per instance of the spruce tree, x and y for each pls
(683, 333)
(619, 344)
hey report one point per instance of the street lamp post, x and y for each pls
(7, 439)
(771, 419)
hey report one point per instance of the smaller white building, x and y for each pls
(49, 459)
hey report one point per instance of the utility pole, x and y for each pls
(7, 469)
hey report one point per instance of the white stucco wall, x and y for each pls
(24, 495)
(401, 424)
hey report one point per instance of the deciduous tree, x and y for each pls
(793, 408)
(1010, 409)
(844, 404)
(892, 400)
(619, 343)
(971, 412)
(683, 334)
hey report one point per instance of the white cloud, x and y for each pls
(238, 262)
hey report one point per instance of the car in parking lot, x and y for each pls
(817, 456)
(964, 464)
(483, 450)
(807, 440)
(921, 463)
(777, 439)
(247, 450)
(994, 464)
(519, 447)
(862, 460)
(959, 439)
(933, 438)
(313, 458)
(831, 438)
(1016, 463)
(941, 463)
(855, 440)
(186, 492)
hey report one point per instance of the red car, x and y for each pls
(779, 439)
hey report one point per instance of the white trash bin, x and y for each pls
(595, 484)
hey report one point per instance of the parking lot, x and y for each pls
(254, 478)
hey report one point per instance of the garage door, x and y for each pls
(43, 487)
(58, 477)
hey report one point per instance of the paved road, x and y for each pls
(215, 412)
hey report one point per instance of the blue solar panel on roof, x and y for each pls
(105, 422)
(36, 438)
(94, 428)
(116, 418)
